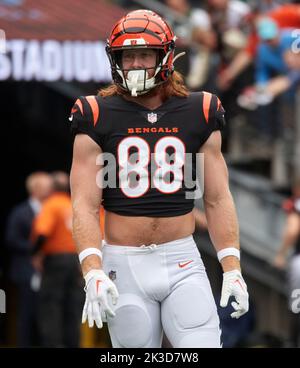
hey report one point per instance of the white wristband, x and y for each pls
(87, 252)
(228, 252)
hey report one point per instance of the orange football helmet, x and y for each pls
(141, 29)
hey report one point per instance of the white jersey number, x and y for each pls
(133, 173)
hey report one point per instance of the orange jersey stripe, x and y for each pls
(79, 104)
(206, 104)
(94, 106)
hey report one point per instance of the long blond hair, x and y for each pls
(174, 86)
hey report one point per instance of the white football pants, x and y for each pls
(162, 287)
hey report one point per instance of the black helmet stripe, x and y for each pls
(150, 21)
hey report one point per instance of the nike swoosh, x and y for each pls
(238, 281)
(71, 118)
(97, 285)
(181, 265)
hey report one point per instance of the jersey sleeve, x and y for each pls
(218, 114)
(84, 117)
(213, 114)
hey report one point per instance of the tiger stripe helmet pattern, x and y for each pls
(142, 29)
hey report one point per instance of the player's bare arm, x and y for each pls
(223, 225)
(86, 199)
(218, 202)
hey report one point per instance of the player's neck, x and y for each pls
(151, 102)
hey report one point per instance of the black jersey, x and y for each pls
(150, 147)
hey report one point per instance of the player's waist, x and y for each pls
(175, 245)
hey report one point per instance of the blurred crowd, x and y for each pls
(44, 267)
(43, 270)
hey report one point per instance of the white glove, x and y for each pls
(234, 285)
(97, 288)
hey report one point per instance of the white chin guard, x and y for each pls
(137, 81)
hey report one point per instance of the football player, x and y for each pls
(149, 276)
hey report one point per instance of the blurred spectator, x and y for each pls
(291, 242)
(271, 61)
(22, 272)
(229, 21)
(254, 97)
(285, 16)
(61, 293)
(227, 14)
(196, 37)
(265, 5)
(270, 56)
